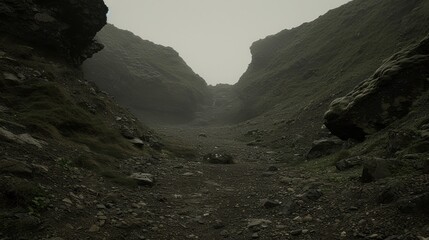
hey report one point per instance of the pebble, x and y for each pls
(373, 236)
(218, 224)
(67, 200)
(101, 206)
(255, 235)
(308, 218)
(273, 169)
(296, 232)
(271, 204)
(94, 228)
(224, 233)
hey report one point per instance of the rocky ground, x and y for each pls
(260, 196)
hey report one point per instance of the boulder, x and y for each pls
(415, 204)
(218, 158)
(324, 147)
(378, 168)
(384, 97)
(348, 163)
(69, 26)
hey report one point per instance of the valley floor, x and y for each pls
(261, 196)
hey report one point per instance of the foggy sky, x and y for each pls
(214, 36)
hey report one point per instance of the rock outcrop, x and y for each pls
(68, 26)
(383, 98)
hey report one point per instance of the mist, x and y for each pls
(213, 37)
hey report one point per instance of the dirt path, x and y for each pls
(248, 201)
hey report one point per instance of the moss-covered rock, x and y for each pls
(384, 97)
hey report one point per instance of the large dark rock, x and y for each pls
(415, 204)
(68, 26)
(324, 147)
(384, 97)
(378, 168)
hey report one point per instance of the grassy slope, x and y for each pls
(149, 78)
(309, 64)
(56, 104)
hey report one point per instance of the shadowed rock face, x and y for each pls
(386, 96)
(68, 26)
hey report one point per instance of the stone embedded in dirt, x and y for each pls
(349, 163)
(21, 138)
(218, 224)
(224, 233)
(94, 228)
(296, 232)
(15, 167)
(188, 174)
(202, 135)
(313, 194)
(218, 158)
(101, 206)
(272, 169)
(324, 147)
(307, 218)
(268, 174)
(378, 168)
(415, 204)
(289, 207)
(67, 201)
(388, 195)
(39, 169)
(255, 235)
(143, 179)
(11, 77)
(137, 142)
(257, 222)
(267, 203)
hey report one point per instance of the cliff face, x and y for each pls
(151, 79)
(67, 27)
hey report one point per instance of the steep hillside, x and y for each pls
(295, 74)
(151, 79)
(59, 134)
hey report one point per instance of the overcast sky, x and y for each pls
(214, 36)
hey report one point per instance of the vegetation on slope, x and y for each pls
(313, 62)
(151, 79)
